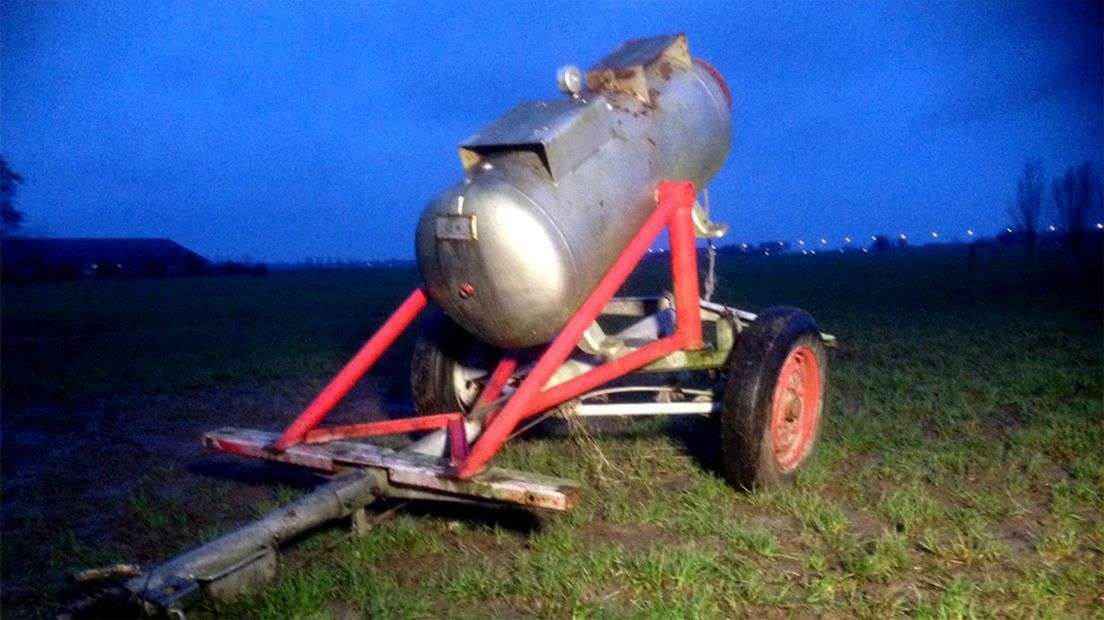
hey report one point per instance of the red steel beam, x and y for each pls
(675, 201)
(458, 440)
(670, 196)
(604, 373)
(386, 427)
(497, 382)
(688, 326)
(688, 330)
(354, 370)
(684, 273)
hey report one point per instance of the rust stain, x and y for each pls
(664, 69)
(571, 498)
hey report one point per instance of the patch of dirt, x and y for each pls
(865, 525)
(1003, 423)
(339, 609)
(634, 539)
(1017, 536)
(127, 479)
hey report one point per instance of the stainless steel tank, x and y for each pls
(554, 190)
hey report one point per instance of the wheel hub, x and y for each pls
(795, 408)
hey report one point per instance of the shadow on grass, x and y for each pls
(264, 474)
(479, 516)
(255, 473)
(699, 437)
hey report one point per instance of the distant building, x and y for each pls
(25, 258)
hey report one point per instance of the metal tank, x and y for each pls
(554, 190)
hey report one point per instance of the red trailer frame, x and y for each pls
(675, 202)
(363, 472)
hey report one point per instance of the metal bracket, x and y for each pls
(595, 341)
(705, 228)
(360, 524)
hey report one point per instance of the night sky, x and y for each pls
(280, 131)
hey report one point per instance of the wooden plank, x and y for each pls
(405, 470)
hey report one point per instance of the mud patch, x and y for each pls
(1004, 423)
(633, 539)
(127, 479)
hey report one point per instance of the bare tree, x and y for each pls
(1028, 207)
(1077, 199)
(11, 219)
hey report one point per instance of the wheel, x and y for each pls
(449, 367)
(773, 402)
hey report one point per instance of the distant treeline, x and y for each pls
(106, 270)
(63, 271)
(312, 264)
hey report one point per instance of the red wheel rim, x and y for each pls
(795, 408)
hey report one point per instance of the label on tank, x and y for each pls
(456, 227)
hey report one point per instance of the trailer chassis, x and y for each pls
(452, 463)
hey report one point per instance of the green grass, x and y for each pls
(960, 472)
(74, 341)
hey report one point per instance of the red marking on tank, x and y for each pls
(720, 79)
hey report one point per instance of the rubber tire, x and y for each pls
(747, 454)
(440, 348)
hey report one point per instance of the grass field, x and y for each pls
(960, 471)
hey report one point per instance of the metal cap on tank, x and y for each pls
(490, 256)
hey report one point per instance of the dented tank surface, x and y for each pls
(554, 190)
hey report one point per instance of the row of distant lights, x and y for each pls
(902, 236)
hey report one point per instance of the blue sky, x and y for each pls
(281, 131)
